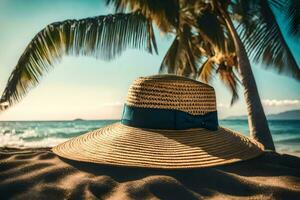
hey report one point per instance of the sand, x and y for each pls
(40, 174)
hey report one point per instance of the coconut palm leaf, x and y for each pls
(226, 72)
(103, 37)
(215, 34)
(292, 13)
(230, 80)
(267, 44)
(207, 70)
(169, 61)
(180, 59)
(163, 13)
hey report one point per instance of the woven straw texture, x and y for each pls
(122, 145)
(172, 92)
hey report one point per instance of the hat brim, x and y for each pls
(122, 145)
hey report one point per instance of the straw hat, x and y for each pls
(168, 122)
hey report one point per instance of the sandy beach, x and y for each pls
(40, 174)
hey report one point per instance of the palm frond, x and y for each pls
(165, 14)
(180, 58)
(168, 64)
(293, 15)
(225, 69)
(103, 37)
(244, 13)
(279, 4)
(206, 71)
(267, 44)
(211, 29)
(230, 80)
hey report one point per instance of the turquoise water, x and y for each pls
(286, 134)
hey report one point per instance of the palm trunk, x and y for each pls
(258, 124)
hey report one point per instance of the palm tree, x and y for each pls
(211, 37)
(263, 40)
(205, 31)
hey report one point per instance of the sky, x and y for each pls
(88, 88)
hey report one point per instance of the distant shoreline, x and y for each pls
(286, 115)
(290, 115)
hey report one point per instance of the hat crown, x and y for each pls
(172, 92)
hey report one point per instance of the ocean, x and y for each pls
(286, 133)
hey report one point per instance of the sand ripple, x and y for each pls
(39, 174)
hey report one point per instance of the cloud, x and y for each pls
(279, 103)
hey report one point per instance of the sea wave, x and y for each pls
(32, 134)
(12, 140)
(289, 141)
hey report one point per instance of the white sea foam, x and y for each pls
(12, 140)
(29, 134)
(47, 134)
